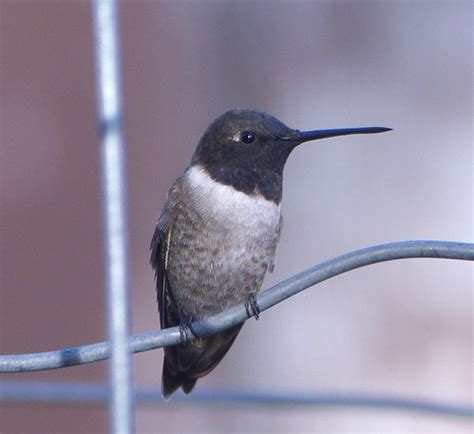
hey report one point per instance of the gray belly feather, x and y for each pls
(221, 244)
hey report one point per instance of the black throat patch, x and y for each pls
(252, 182)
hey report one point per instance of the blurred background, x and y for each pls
(404, 327)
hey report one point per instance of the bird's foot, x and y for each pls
(186, 331)
(251, 306)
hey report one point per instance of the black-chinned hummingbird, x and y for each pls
(217, 234)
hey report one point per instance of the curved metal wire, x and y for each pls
(289, 287)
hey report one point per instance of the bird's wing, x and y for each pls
(159, 247)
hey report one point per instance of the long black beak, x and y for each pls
(305, 136)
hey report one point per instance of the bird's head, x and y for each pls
(248, 149)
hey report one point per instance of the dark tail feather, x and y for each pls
(188, 385)
(185, 364)
(171, 382)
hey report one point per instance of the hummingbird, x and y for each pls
(217, 234)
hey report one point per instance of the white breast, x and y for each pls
(228, 206)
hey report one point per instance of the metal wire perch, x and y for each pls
(93, 393)
(156, 339)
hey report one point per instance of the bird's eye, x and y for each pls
(247, 137)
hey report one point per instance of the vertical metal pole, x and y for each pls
(112, 160)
